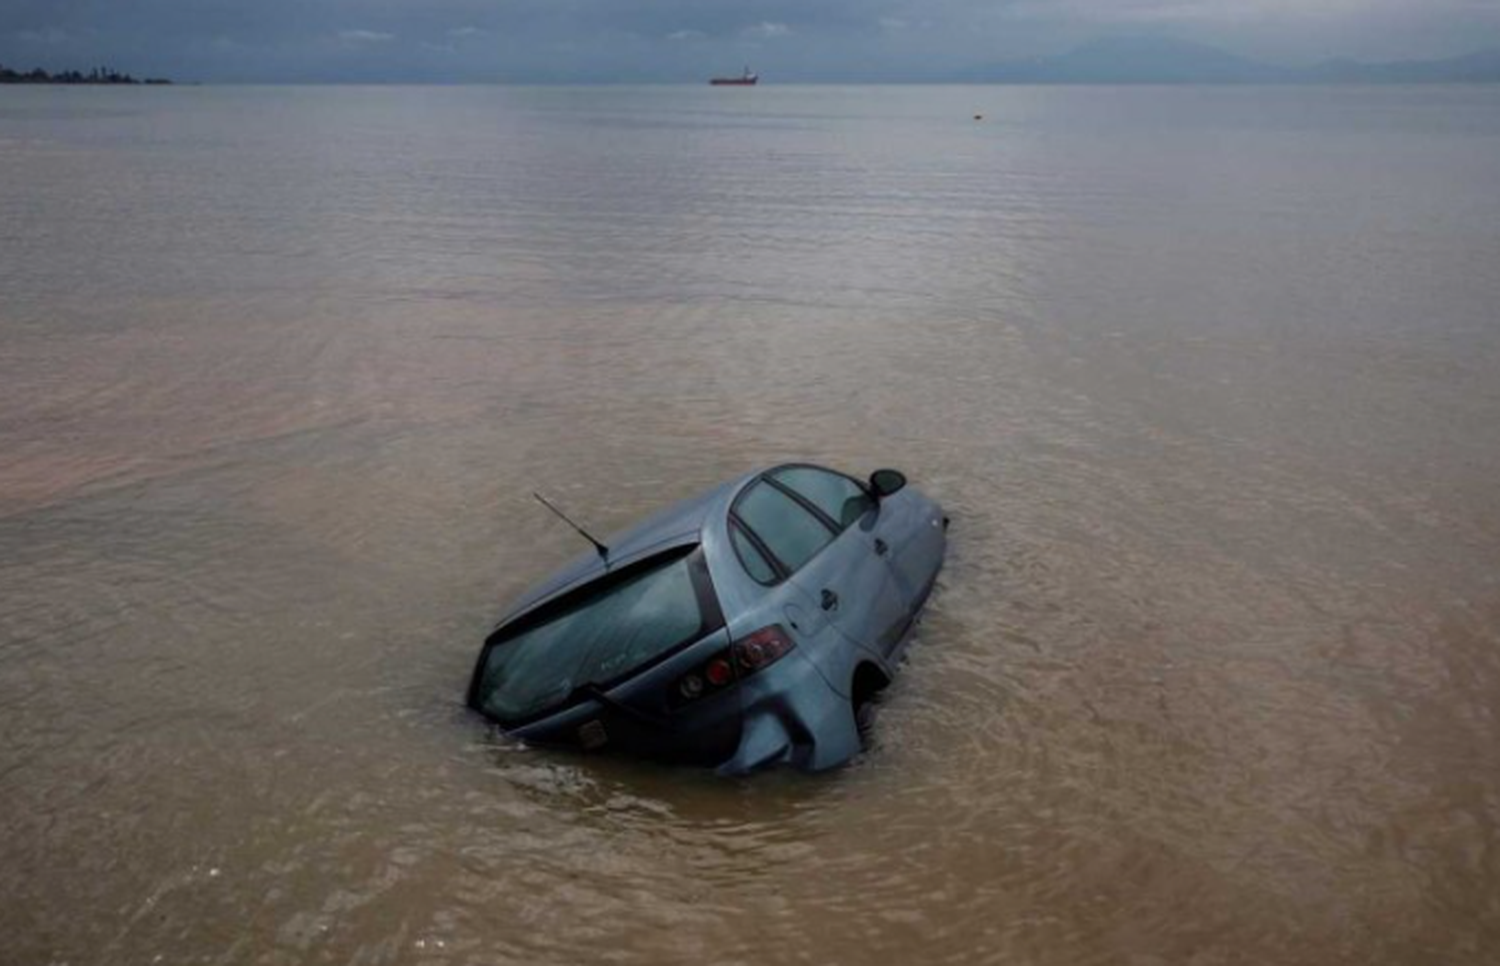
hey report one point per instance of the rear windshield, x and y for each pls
(596, 638)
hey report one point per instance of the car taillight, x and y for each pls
(718, 672)
(744, 657)
(761, 649)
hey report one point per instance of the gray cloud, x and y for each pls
(765, 30)
(685, 40)
(365, 36)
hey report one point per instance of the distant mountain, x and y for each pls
(1157, 60)
(1482, 67)
(1132, 60)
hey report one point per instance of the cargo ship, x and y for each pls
(746, 79)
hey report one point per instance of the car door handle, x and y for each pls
(880, 547)
(830, 600)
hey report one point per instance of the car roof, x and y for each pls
(678, 525)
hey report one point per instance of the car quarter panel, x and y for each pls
(791, 715)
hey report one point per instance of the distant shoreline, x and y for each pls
(98, 75)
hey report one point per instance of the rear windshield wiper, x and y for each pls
(589, 689)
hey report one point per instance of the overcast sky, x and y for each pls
(683, 40)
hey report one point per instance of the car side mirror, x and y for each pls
(885, 482)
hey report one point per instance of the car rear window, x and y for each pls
(787, 529)
(594, 638)
(841, 499)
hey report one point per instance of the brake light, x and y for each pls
(761, 649)
(751, 653)
(718, 672)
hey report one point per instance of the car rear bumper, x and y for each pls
(703, 736)
(786, 714)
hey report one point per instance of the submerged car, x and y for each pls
(746, 627)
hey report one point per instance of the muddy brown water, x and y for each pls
(1209, 380)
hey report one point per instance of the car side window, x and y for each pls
(841, 499)
(755, 562)
(786, 528)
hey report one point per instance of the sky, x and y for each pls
(687, 40)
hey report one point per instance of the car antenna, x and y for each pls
(603, 550)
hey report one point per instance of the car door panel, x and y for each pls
(852, 585)
(912, 530)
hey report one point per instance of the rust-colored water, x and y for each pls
(1208, 379)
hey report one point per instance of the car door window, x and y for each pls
(841, 499)
(754, 561)
(786, 528)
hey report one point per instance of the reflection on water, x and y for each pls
(1206, 378)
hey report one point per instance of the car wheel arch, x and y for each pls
(869, 679)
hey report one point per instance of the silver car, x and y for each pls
(749, 626)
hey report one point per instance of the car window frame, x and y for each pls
(778, 569)
(818, 511)
(777, 564)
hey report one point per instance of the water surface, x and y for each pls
(1209, 380)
